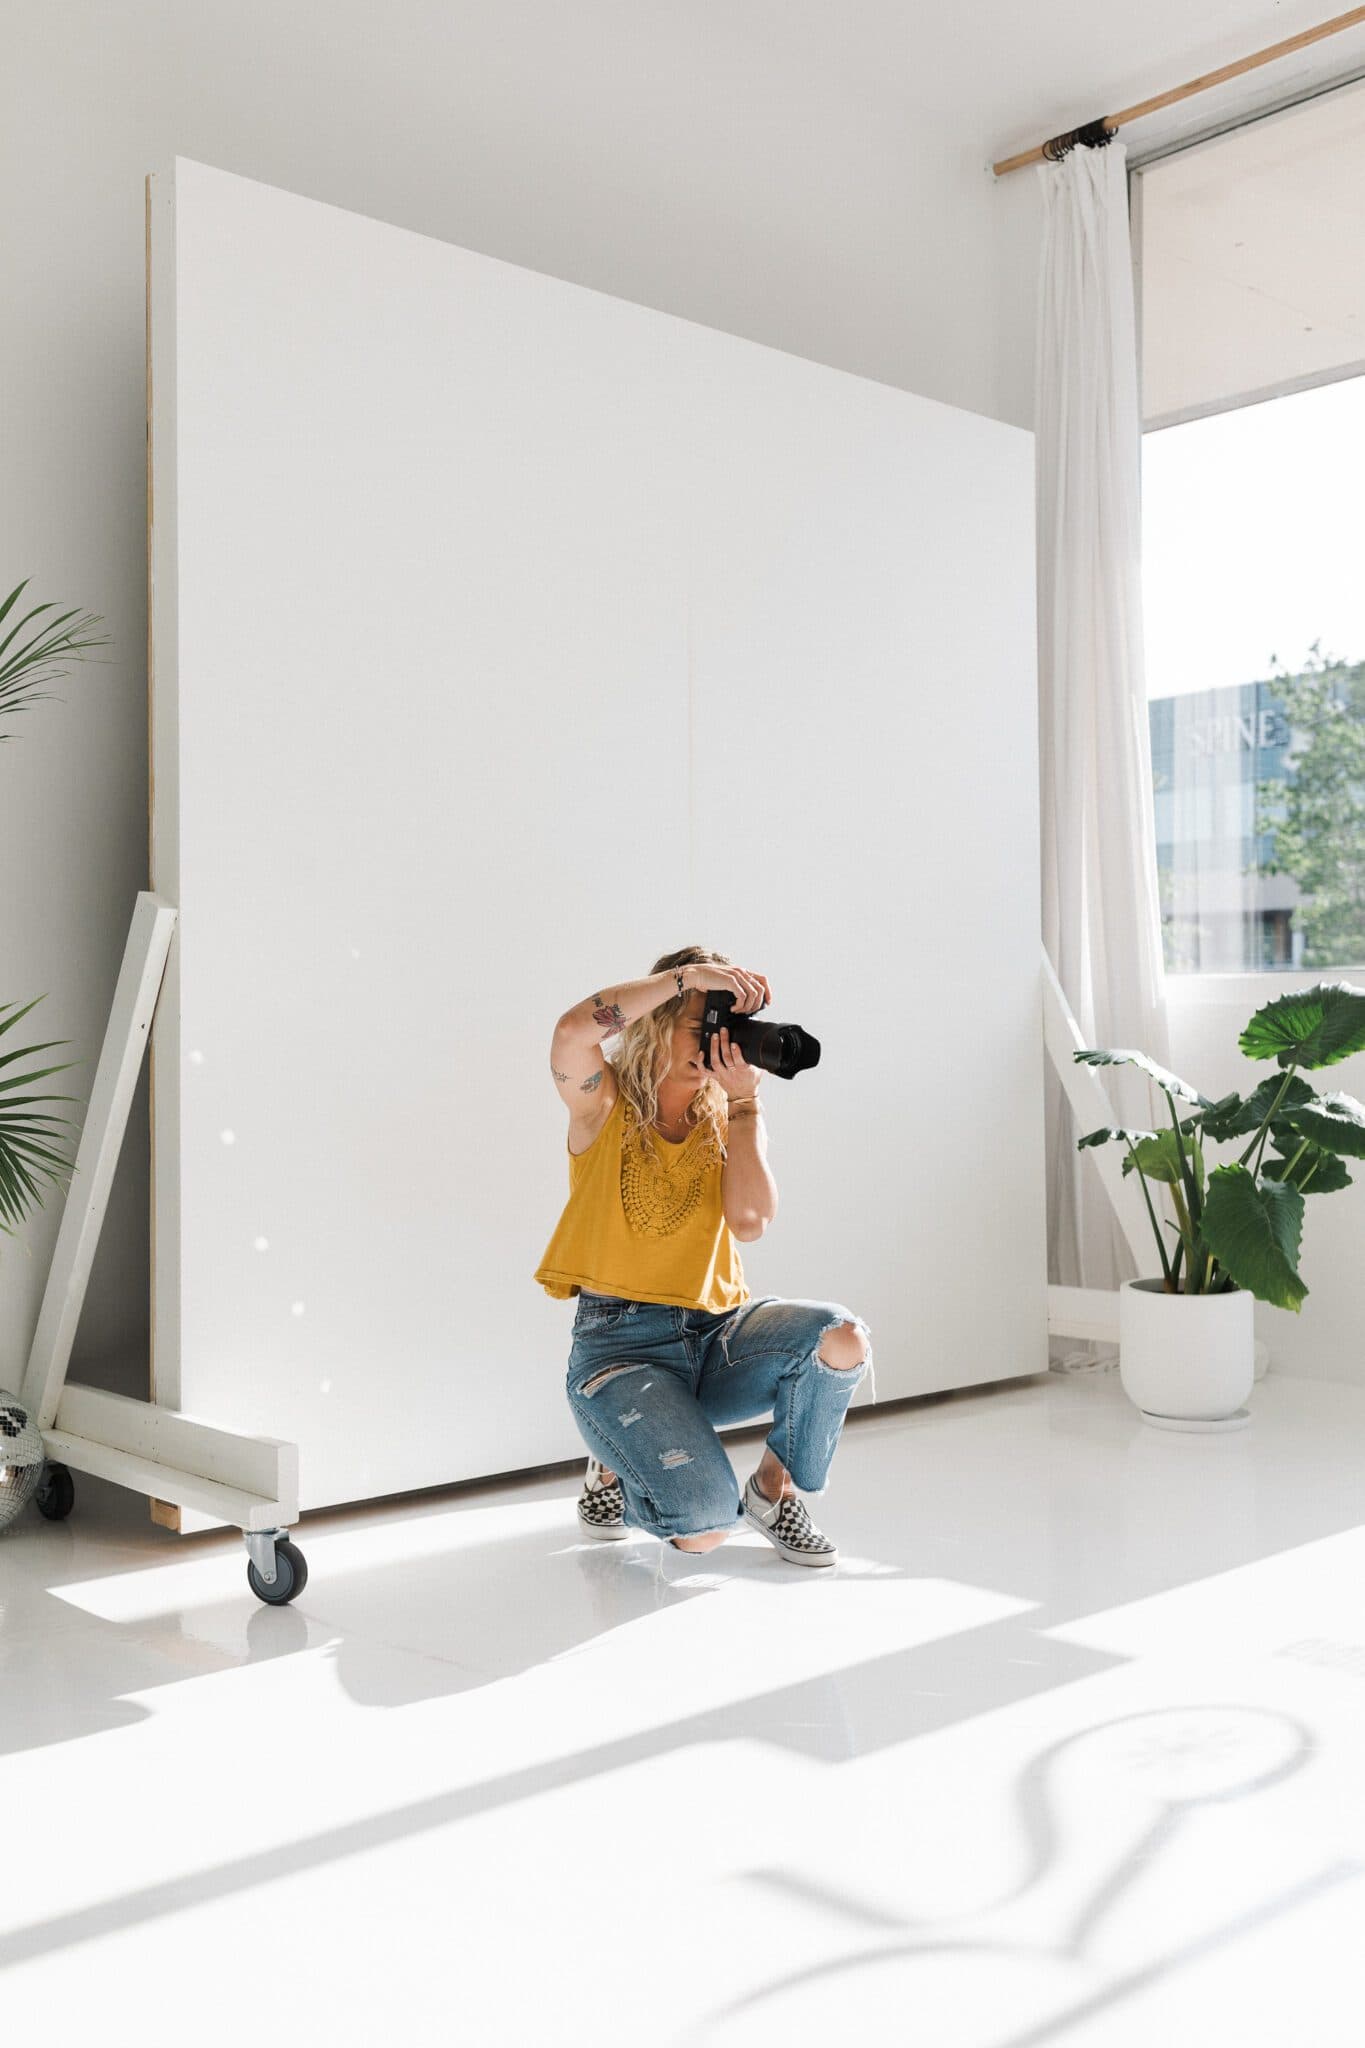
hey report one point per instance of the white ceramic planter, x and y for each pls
(1186, 1357)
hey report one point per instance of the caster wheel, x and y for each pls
(291, 1575)
(56, 1495)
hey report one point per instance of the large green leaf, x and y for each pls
(1158, 1158)
(1161, 1075)
(1253, 1230)
(1311, 1027)
(1329, 1173)
(1234, 1117)
(1336, 1122)
(1103, 1135)
(1106, 1132)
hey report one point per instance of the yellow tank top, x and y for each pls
(650, 1233)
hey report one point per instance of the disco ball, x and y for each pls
(21, 1458)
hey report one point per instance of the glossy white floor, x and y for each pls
(1066, 1748)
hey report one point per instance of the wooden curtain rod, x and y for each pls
(1098, 132)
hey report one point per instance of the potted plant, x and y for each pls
(26, 1132)
(1186, 1336)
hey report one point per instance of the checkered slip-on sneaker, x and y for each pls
(787, 1526)
(601, 1505)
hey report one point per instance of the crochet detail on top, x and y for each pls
(659, 1198)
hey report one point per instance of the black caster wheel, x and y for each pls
(291, 1575)
(56, 1495)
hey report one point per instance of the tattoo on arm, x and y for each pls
(608, 1014)
(585, 1087)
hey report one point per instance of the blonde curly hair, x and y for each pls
(644, 1053)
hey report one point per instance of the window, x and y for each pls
(1252, 351)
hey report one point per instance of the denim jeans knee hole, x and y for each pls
(845, 1323)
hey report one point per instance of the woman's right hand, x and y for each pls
(750, 988)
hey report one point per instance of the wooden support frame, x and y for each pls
(249, 1481)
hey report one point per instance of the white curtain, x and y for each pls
(1101, 916)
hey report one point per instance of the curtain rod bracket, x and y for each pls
(1093, 135)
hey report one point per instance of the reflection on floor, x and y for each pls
(1064, 1749)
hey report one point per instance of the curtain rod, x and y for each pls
(1094, 134)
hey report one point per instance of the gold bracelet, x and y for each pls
(738, 1100)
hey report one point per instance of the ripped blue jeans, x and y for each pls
(648, 1384)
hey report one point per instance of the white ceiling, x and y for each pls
(1007, 77)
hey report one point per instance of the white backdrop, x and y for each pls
(505, 635)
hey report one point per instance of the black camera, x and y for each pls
(782, 1049)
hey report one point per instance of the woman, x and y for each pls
(667, 1170)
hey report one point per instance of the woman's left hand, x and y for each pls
(730, 1067)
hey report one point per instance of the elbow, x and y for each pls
(748, 1231)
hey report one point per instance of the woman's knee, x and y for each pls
(844, 1347)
